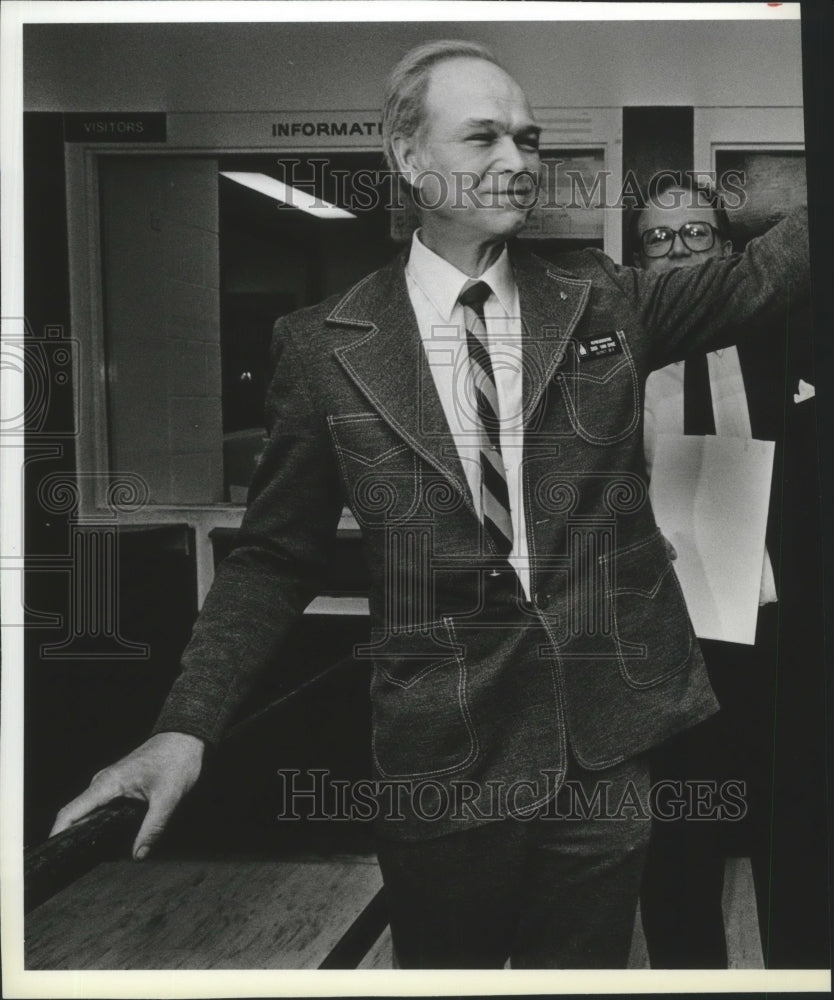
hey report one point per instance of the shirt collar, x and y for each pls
(442, 283)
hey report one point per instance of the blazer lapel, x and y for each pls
(389, 366)
(552, 303)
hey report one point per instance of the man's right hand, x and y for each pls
(160, 772)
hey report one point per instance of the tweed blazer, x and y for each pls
(472, 685)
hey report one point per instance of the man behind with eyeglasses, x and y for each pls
(744, 391)
(682, 225)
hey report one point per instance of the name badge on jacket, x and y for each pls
(600, 346)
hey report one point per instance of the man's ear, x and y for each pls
(406, 154)
(726, 248)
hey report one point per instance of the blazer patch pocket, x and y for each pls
(601, 391)
(421, 721)
(652, 630)
(380, 472)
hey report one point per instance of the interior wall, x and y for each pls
(270, 67)
(162, 324)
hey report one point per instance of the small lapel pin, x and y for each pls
(562, 296)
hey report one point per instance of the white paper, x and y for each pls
(710, 496)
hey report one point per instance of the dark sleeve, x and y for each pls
(273, 572)
(692, 309)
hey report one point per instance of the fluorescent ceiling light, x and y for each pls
(287, 195)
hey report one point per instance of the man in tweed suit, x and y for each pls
(480, 411)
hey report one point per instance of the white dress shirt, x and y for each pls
(664, 415)
(434, 286)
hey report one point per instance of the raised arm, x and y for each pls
(703, 308)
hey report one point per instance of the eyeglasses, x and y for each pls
(695, 236)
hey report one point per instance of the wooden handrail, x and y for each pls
(108, 832)
(60, 860)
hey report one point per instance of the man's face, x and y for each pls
(477, 152)
(685, 210)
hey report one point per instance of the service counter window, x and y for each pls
(199, 257)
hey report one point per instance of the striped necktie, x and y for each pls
(495, 497)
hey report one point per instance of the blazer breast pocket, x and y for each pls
(380, 472)
(601, 390)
